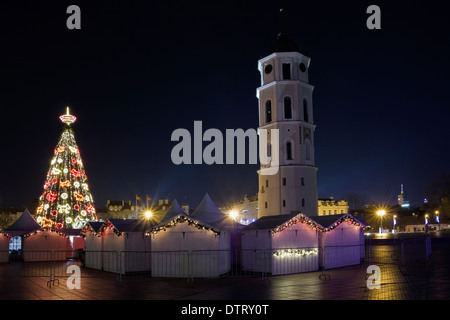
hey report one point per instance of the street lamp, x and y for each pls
(381, 213)
(148, 214)
(395, 221)
(437, 219)
(233, 214)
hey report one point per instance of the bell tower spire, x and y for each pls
(282, 21)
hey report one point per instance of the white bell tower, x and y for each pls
(285, 103)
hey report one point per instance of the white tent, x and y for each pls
(93, 257)
(4, 247)
(295, 243)
(39, 244)
(342, 242)
(121, 246)
(202, 238)
(281, 244)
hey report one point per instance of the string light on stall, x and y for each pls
(294, 253)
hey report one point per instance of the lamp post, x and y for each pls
(394, 222)
(437, 219)
(426, 223)
(381, 213)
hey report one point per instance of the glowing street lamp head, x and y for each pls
(148, 214)
(381, 212)
(68, 118)
(233, 214)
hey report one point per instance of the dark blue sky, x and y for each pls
(138, 70)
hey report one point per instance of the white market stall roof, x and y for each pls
(332, 221)
(92, 226)
(24, 225)
(125, 225)
(206, 216)
(174, 210)
(278, 223)
(176, 215)
(207, 211)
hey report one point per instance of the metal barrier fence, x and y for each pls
(37, 263)
(395, 258)
(91, 264)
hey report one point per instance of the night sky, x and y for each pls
(136, 71)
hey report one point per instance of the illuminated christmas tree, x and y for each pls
(66, 201)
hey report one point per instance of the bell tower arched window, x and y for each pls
(308, 150)
(305, 111)
(287, 108)
(288, 151)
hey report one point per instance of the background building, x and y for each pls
(8, 216)
(122, 209)
(330, 207)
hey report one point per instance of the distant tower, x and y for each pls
(285, 103)
(402, 201)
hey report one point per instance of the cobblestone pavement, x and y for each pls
(415, 280)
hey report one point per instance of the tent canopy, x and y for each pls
(130, 225)
(206, 214)
(174, 210)
(24, 225)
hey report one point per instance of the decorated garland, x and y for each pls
(183, 219)
(87, 228)
(316, 227)
(347, 219)
(294, 252)
(298, 219)
(46, 229)
(109, 225)
(6, 235)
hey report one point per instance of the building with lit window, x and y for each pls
(330, 206)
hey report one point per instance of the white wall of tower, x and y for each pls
(286, 92)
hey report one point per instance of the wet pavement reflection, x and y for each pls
(406, 272)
